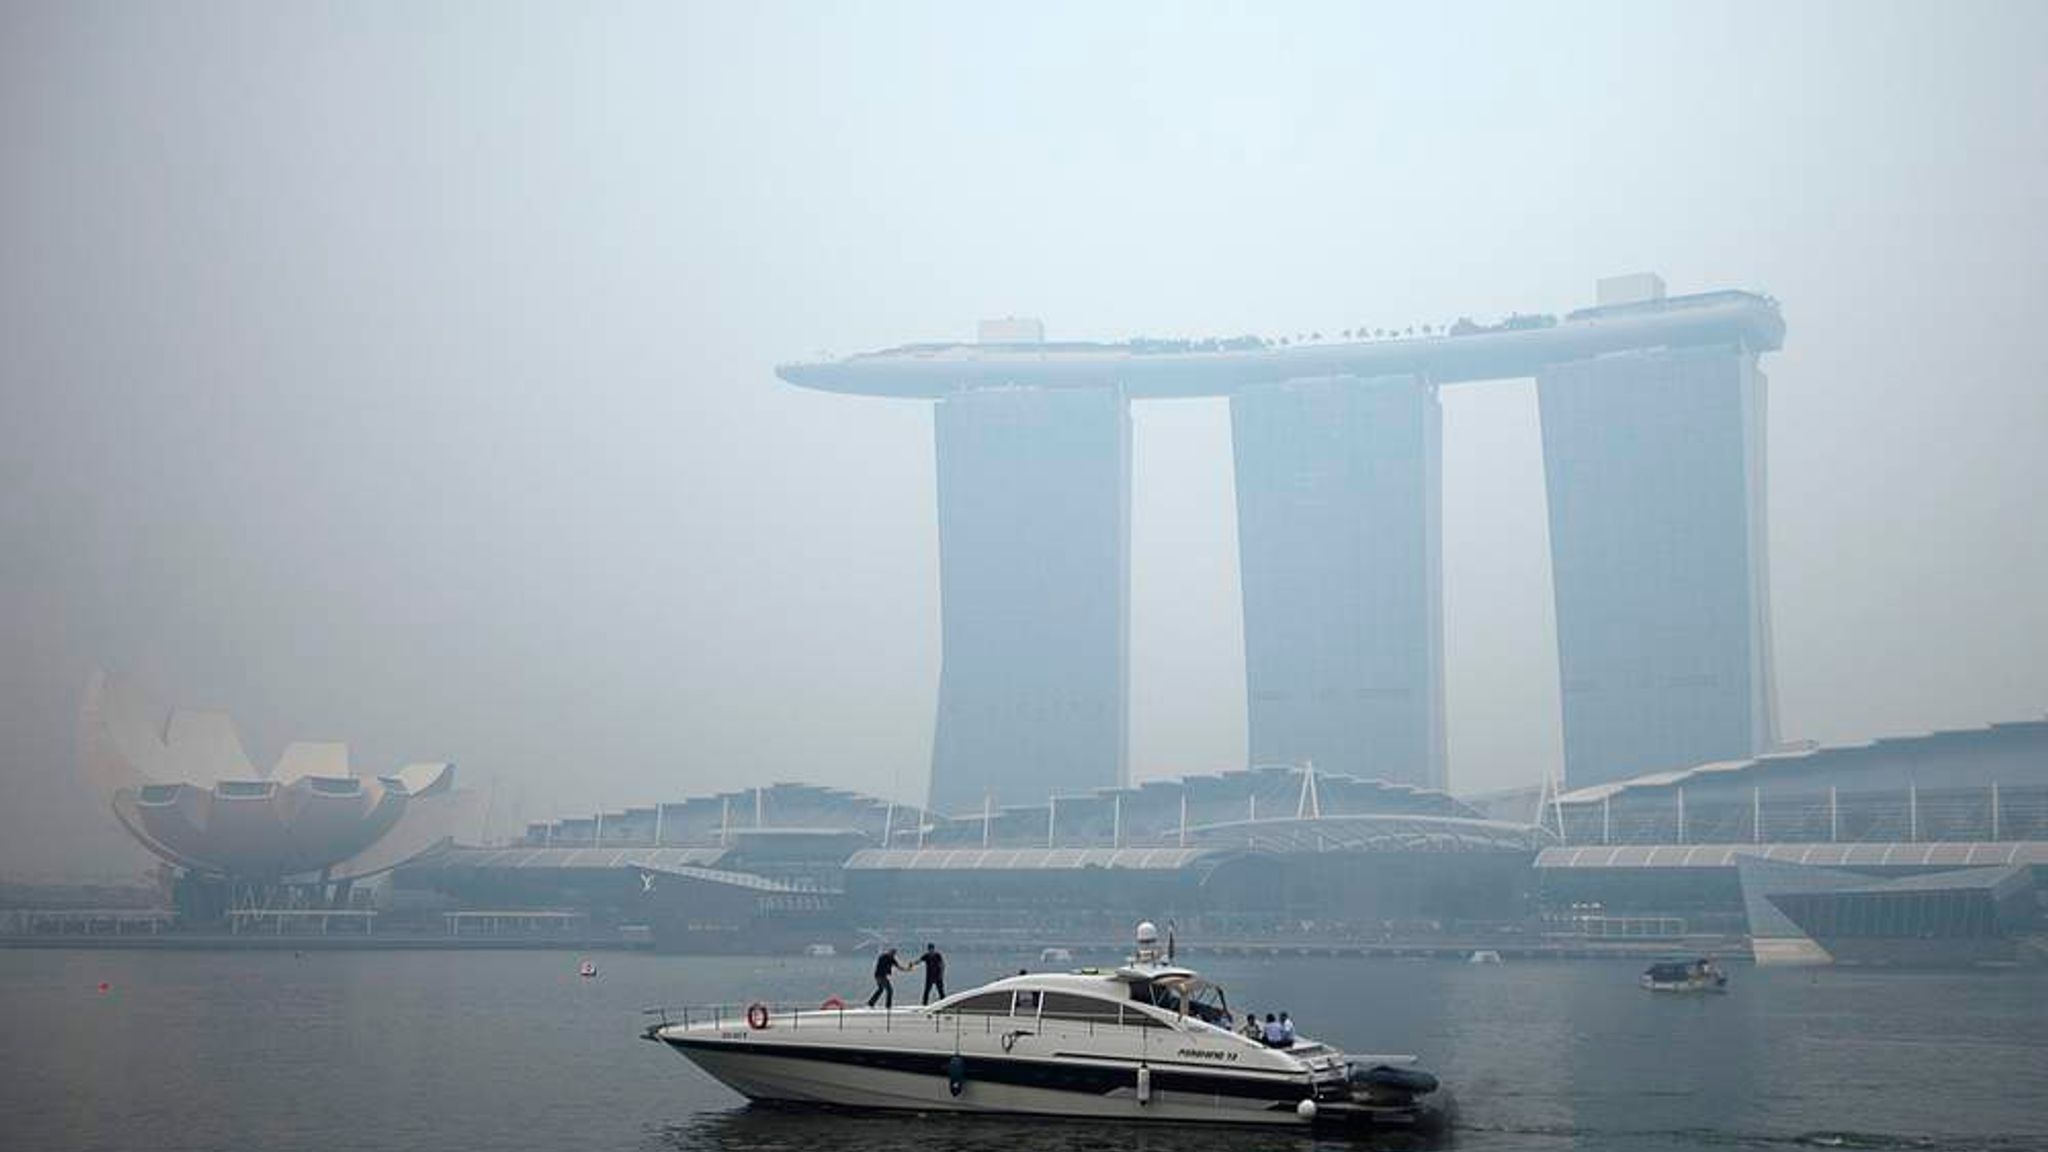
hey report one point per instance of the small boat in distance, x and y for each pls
(587, 969)
(1702, 975)
(1485, 956)
(1055, 956)
(820, 950)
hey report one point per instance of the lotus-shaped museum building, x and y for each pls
(182, 786)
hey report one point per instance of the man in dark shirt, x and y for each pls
(934, 971)
(886, 965)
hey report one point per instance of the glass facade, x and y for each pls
(1339, 556)
(1654, 465)
(1034, 574)
(1966, 912)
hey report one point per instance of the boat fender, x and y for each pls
(1306, 1109)
(757, 1015)
(1144, 1084)
(956, 1074)
(832, 1003)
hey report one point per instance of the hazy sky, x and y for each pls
(402, 374)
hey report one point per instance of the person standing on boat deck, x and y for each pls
(1286, 1031)
(886, 965)
(934, 963)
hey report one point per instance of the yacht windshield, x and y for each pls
(1207, 1004)
(1183, 996)
(1158, 993)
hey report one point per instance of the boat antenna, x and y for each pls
(1169, 941)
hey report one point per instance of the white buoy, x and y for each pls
(1306, 1109)
(1144, 1084)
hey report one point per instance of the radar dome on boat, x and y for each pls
(1148, 933)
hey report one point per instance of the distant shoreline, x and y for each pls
(225, 942)
(1456, 951)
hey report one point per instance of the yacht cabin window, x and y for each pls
(1136, 1017)
(1068, 1006)
(985, 1004)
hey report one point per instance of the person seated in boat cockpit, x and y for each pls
(1253, 1030)
(1274, 1035)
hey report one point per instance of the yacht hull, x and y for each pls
(923, 1081)
(780, 1078)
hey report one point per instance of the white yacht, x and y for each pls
(1147, 1041)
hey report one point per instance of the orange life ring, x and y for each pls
(833, 1002)
(757, 1015)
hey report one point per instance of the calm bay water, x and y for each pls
(408, 1050)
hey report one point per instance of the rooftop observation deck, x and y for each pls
(1158, 369)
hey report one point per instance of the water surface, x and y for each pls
(407, 1050)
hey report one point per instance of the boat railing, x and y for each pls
(763, 1013)
(778, 1015)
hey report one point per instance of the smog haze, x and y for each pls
(405, 375)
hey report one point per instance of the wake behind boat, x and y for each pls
(1147, 1041)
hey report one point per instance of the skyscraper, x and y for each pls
(1338, 544)
(1034, 576)
(1654, 464)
